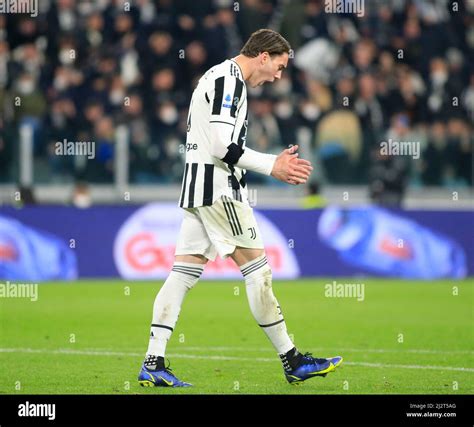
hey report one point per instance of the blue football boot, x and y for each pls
(161, 377)
(310, 367)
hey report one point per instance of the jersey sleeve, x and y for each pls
(225, 99)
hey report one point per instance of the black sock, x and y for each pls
(154, 363)
(291, 359)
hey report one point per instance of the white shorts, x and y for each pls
(218, 229)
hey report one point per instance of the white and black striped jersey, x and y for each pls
(216, 134)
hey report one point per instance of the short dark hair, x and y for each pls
(265, 40)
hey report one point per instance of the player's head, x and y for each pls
(269, 52)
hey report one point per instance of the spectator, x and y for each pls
(313, 198)
(81, 197)
(433, 167)
(100, 169)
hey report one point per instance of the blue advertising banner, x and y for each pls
(137, 242)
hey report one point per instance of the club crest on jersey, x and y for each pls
(226, 104)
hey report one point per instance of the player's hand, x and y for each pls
(290, 169)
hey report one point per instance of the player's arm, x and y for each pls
(224, 101)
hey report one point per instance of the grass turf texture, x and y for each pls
(218, 347)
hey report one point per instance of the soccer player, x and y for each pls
(217, 216)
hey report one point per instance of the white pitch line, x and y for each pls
(360, 350)
(211, 357)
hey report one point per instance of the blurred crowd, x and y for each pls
(404, 71)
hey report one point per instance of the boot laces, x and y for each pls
(308, 357)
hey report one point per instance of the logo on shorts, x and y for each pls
(253, 233)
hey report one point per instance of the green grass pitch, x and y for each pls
(89, 337)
